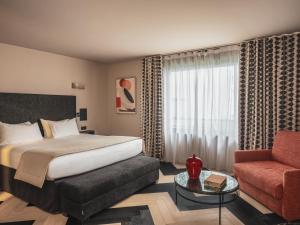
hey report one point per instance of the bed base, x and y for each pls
(84, 195)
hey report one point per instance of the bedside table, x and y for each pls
(87, 132)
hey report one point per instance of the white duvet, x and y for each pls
(76, 163)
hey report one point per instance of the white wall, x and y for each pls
(25, 70)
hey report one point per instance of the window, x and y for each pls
(201, 104)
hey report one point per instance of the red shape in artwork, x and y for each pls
(118, 102)
(125, 84)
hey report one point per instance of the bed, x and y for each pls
(78, 185)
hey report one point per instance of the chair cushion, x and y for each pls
(286, 148)
(92, 184)
(264, 175)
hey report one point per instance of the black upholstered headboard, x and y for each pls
(18, 108)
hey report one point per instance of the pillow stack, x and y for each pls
(19, 133)
(27, 132)
(62, 128)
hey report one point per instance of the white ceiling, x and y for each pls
(116, 30)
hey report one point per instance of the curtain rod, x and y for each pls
(202, 49)
(221, 46)
(271, 36)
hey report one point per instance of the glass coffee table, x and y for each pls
(187, 189)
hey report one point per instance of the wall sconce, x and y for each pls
(76, 85)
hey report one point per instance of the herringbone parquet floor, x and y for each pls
(162, 208)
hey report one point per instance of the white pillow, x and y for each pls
(19, 133)
(64, 128)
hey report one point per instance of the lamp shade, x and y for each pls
(83, 114)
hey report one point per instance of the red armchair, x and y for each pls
(272, 177)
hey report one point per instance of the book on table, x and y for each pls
(215, 182)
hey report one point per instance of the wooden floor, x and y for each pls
(162, 207)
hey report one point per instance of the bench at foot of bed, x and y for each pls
(85, 195)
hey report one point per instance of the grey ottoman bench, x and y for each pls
(87, 194)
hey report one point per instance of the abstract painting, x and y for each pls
(125, 95)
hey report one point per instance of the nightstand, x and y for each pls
(87, 132)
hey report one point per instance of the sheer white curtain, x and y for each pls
(201, 111)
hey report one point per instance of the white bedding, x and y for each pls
(73, 164)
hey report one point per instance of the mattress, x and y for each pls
(77, 163)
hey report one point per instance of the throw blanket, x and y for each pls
(36, 157)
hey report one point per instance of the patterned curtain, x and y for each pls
(152, 106)
(269, 89)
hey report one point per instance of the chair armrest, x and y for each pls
(291, 195)
(252, 155)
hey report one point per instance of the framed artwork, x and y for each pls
(125, 95)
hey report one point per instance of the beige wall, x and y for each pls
(25, 70)
(123, 124)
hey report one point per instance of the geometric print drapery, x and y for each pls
(269, 91)
(152, 106)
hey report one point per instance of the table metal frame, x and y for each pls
(220, 203)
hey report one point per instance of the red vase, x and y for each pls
(194, 167)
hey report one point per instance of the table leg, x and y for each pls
(220, 208)
(175, 194)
